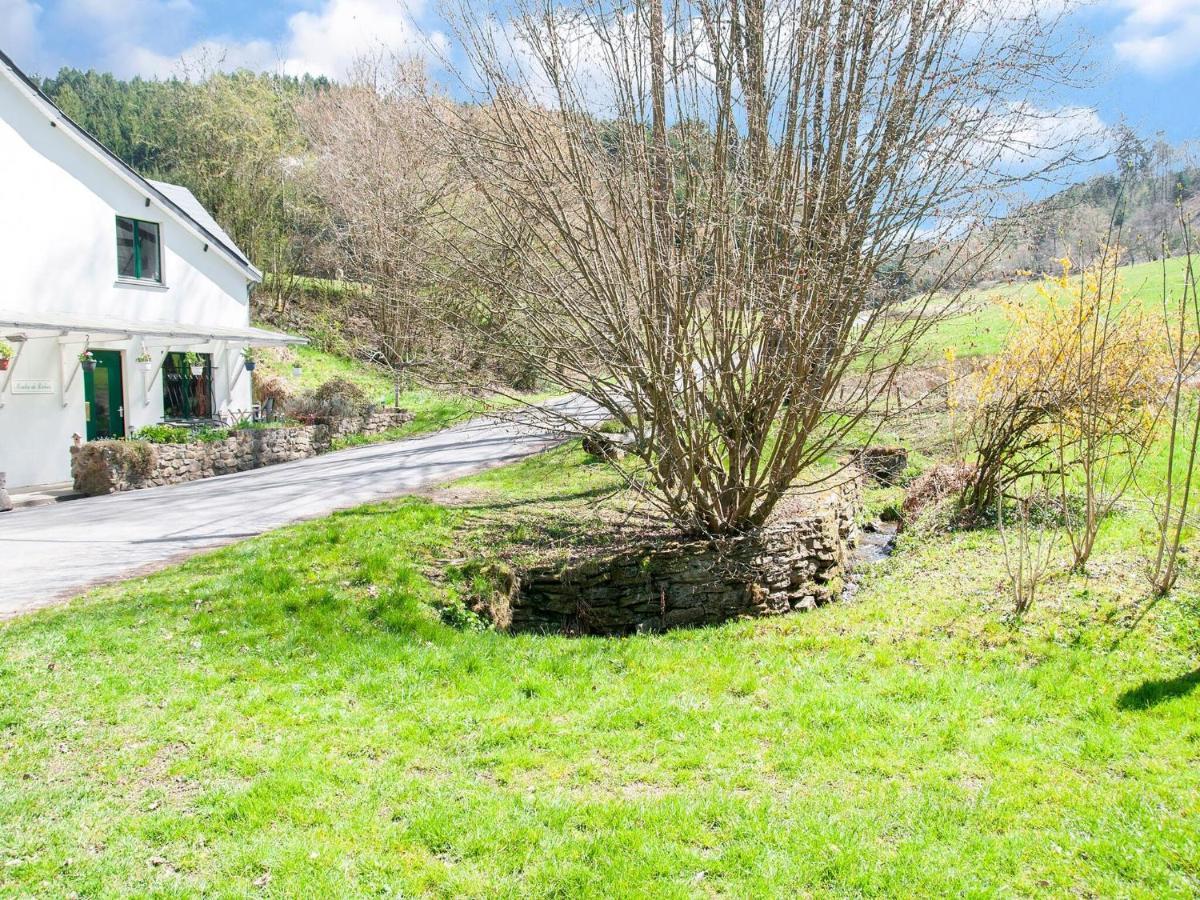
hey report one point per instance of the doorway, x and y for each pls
(104, 397)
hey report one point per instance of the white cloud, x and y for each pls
(1033, 137)
(326, 42)
(19, 28)
(1022, 139)
(122, 32)
(130, 36)
(204, 56)
(1158, 36)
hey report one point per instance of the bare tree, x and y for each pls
(381, 184)
(703, 197)
(1174, 504)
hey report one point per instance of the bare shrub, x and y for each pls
(940, 487)
(1114, 366)
(381, 181)
(342, 392)
(699, 215)
(1029, 550)
(1173, 503)
(272, 388)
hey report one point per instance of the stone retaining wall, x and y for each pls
(106, 467)
(792, 564)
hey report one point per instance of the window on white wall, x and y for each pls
(187, 386)
(138, 253)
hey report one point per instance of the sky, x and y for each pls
(1147, 52)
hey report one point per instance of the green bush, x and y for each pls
(162, 434)
(251, 425)
(180, 434)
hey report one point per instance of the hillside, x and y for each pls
(978, 324)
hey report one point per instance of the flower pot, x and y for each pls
(197, 371)
(89, 365)
(296, 371)
(145, 365)
(250, 364)
(4, 361)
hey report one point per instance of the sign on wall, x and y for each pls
(32, 386)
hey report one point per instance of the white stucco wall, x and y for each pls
(58, 254)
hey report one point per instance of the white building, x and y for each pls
(97, 258)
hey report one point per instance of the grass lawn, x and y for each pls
(290, 716)
(981, 330)
(431, 409)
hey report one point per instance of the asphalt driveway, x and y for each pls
(51, 553)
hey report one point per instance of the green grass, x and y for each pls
(317, 367)
(431, 409)
(329, 287)
(981, 330)
(289, 716)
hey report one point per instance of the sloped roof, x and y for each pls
(174, 199)
(186, 200)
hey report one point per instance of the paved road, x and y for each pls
(51, 553)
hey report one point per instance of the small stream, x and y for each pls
(876, 542)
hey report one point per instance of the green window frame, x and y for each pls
(139, 250)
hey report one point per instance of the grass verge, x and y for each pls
(291, 716)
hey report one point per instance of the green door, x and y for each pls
(104, 397)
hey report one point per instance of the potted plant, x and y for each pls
(6, 355)
(88, 361)
(195, 362)
(249, 359)
(145, 361)
(296, 370)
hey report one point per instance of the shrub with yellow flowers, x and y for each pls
(1073, 394)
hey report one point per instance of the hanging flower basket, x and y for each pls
(145, 362)
(250, 364)
(4, 361)
(249, 359)
(87, 361)
(296, 370)
(195, 362)
(6, 355)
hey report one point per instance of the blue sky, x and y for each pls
(1147, 52)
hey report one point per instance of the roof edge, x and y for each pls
(232, 253)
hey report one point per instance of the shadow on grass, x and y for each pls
(546, 500)
(1151, 693)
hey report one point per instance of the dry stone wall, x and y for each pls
(793, 564)
(107, 467)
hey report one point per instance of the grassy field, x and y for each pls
(981, 329)
(431, 409)
(291, 716)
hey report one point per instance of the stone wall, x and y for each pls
(797, 562)
(106, 467)
(885, 464)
